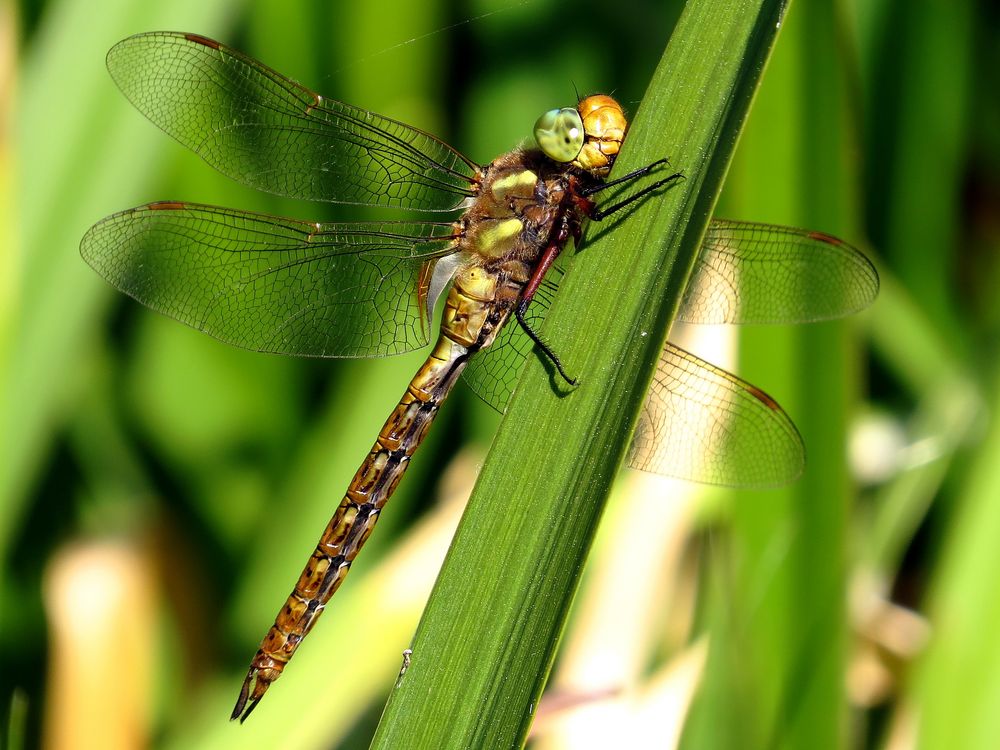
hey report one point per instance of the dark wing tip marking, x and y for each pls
(827, 238)
(165, 206)
(761, 396)
(203, 40)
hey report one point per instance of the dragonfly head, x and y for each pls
(588, 137)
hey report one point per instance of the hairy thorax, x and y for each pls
(523, 202)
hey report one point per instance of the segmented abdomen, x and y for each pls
(466, 319)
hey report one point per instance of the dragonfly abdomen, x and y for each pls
(469, 322)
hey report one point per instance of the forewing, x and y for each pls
(272, 284)
(760, 273)
(702, 423)
(269, 132)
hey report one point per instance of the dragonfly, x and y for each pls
(370, 289)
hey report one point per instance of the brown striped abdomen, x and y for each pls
(469, 320)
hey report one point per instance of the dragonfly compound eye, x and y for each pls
(604, 125)
(559, 134)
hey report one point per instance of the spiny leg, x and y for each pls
(545, 348)
(634, 174)
(603, 212)
(562, 235)
(599, 213)
(549, 256)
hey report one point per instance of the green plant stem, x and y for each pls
(488, 637)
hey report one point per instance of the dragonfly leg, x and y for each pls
(640, 172)
(603, 212)
(549, 256)
(545, 348)
(600, 213)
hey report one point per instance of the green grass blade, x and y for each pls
(956, 683)
(70, 128)
(775, 675)
(488, 637)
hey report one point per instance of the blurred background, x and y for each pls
(160, 491)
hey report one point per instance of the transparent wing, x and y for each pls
(258, 127)
(272, 284)
(760, 273)
(699, 422)
(745, 273)
(702, 423)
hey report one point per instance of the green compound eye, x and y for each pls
(559, 134)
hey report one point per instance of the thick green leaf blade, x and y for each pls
(488, 637)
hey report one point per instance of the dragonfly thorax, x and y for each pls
(523, 196)
(588, 137)
(526, 203)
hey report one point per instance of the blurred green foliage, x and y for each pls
(876, 121)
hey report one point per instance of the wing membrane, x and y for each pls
(269, 132)
(273, 284)
(702, 423)
(760, 273)
(745, 273)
